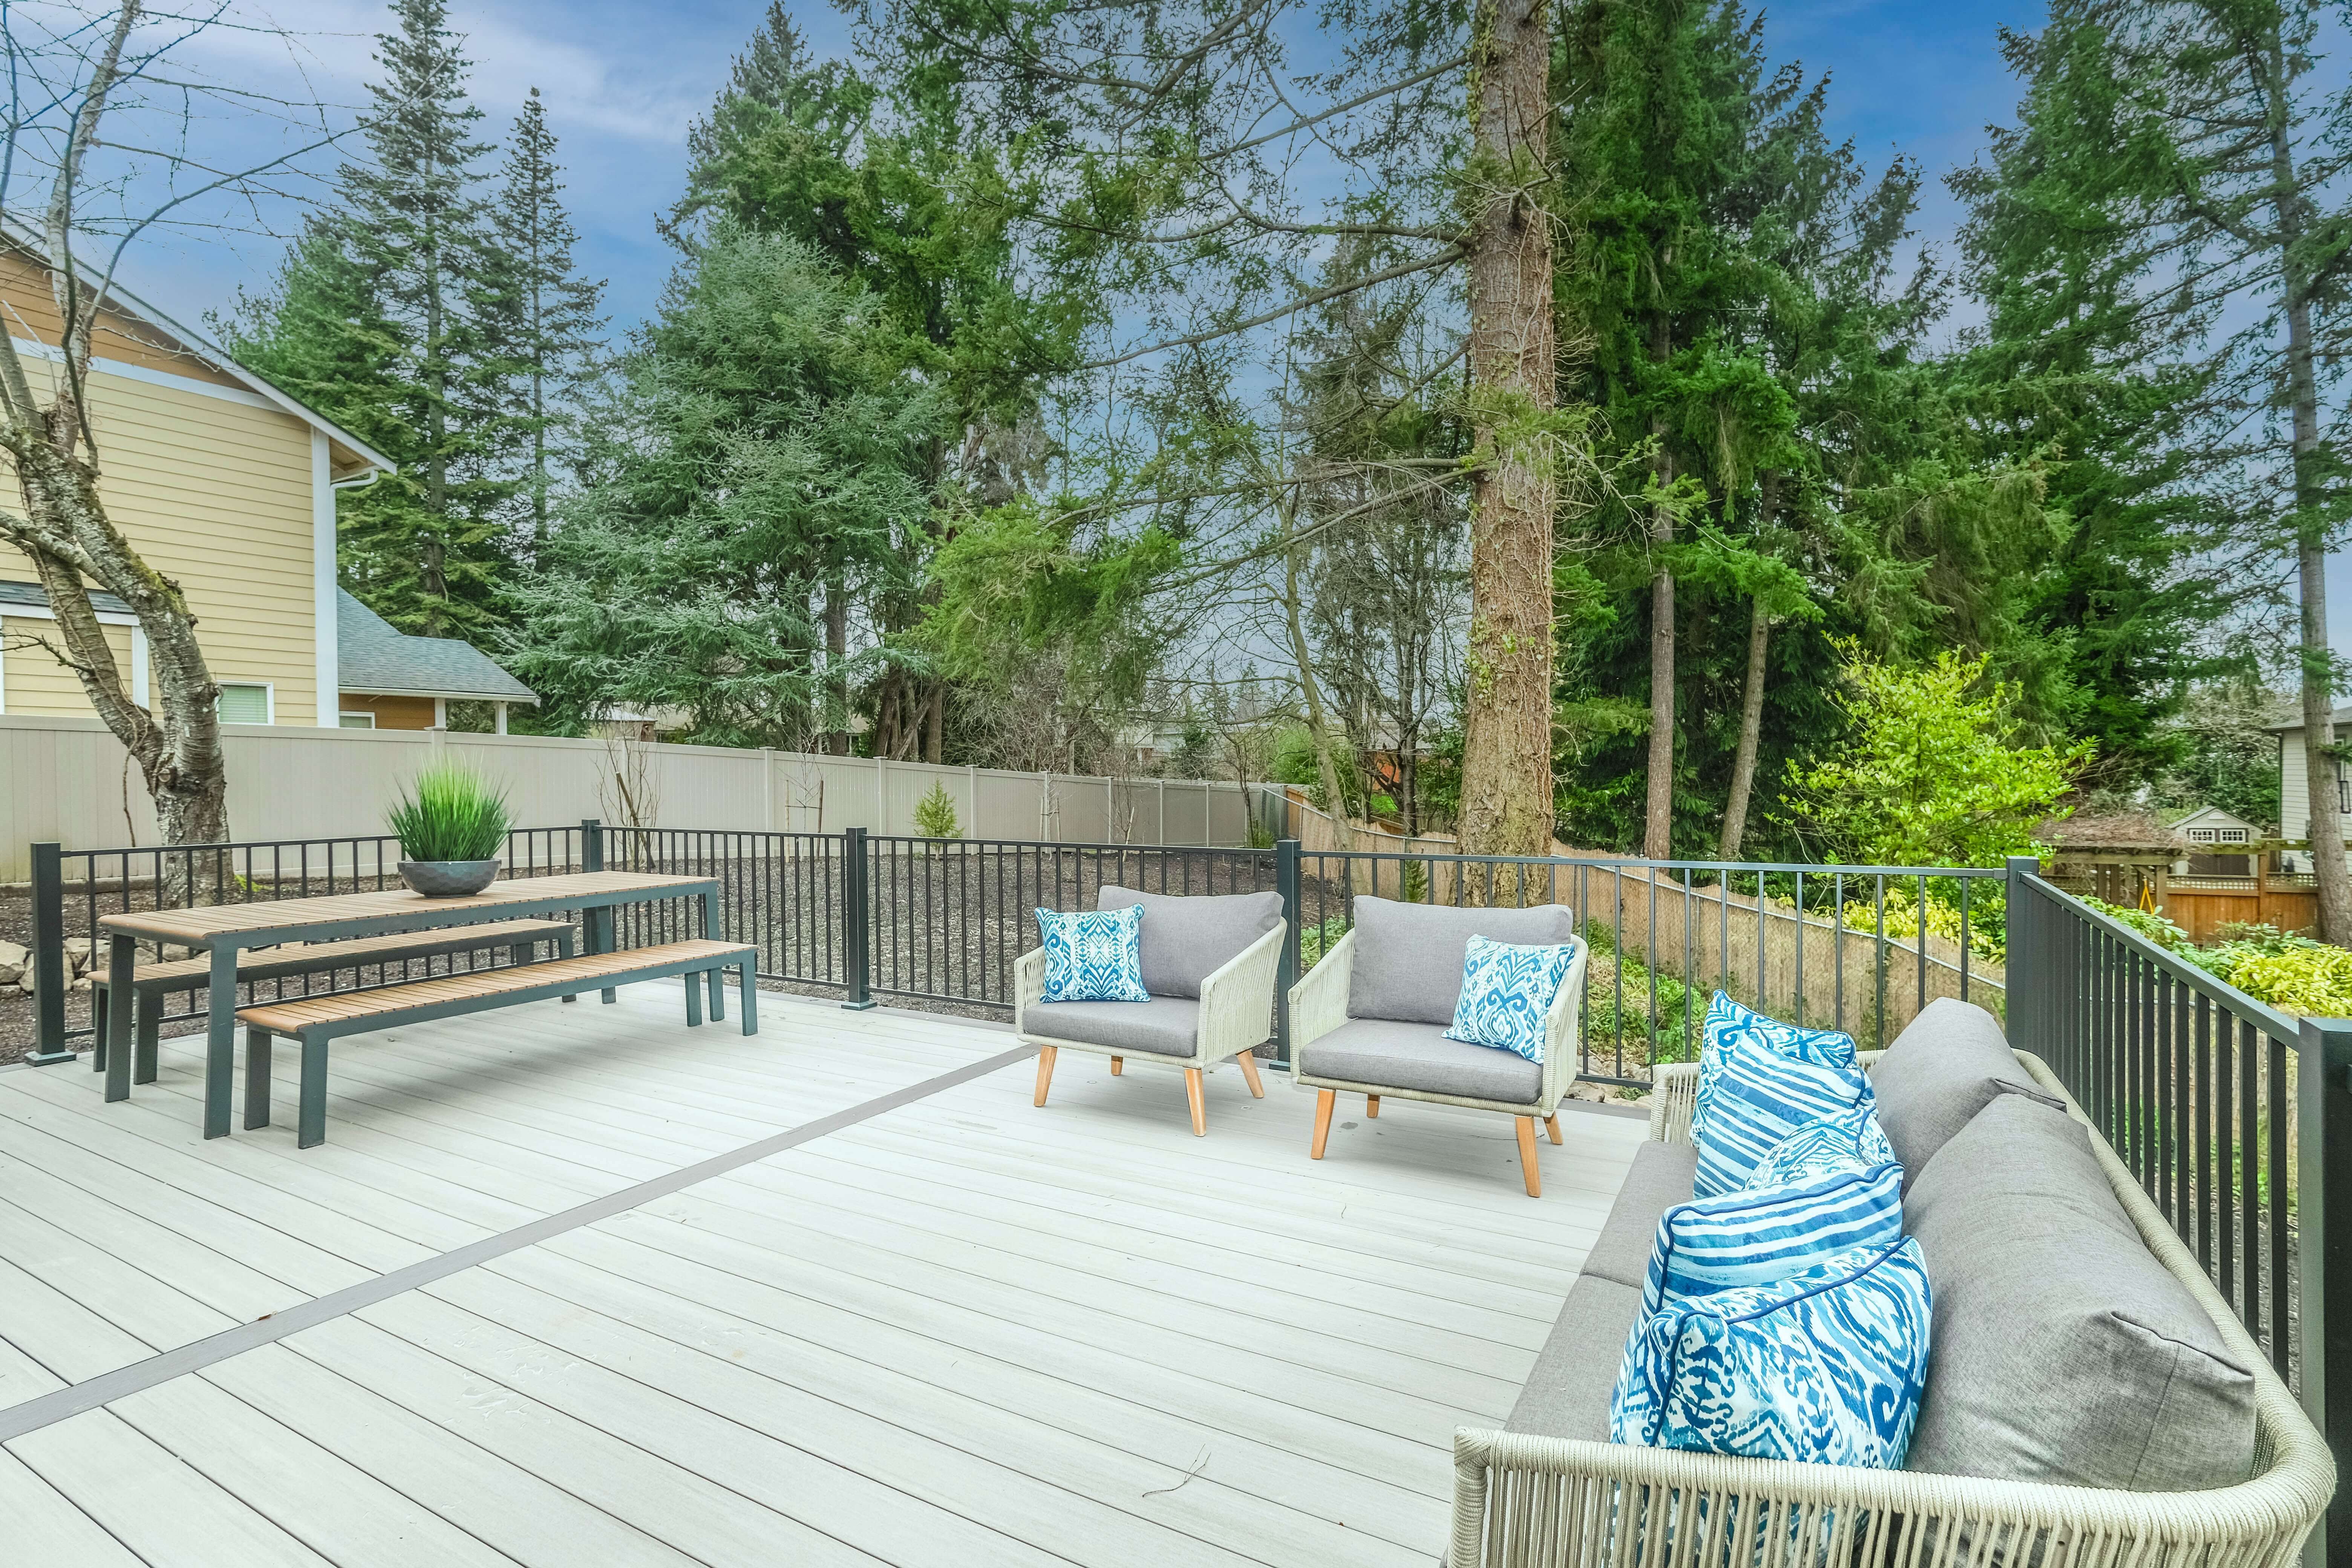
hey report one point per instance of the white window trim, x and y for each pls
(269, 697)
(347, 713)
(105, 618)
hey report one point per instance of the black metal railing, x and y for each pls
(2235, 1116)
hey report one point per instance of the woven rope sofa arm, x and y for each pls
(1028, 985)
(1318, 1002)
(1563, 1051)
(1673, 1100)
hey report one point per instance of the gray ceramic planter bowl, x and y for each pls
(448, 879)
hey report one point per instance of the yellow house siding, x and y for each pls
(31, 679)
(214, 492)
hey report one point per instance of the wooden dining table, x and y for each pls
(223, 930)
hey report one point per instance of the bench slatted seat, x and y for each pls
(315, 1021)
(151, 983)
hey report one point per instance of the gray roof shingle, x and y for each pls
(377, 657)
(32, 596)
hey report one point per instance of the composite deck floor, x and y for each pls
(947, 1329)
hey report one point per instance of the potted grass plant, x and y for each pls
(451, 823)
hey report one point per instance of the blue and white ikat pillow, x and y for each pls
(1728, 1022)
(1849, 1141)
(1760, 1237)
(1094, 956)
(1756, 1086)
(1825, 1367)
(1507, 990)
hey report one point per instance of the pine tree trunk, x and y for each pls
(1507, 782)
(836, 659)
(1658, 813)
(2330, 868)
(935, 721)
(1751, 729)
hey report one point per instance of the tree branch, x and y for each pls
(1445, 257)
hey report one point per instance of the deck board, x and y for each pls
(963, 1329)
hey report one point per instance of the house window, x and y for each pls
(2201, 835)
(244, 704)
(2344, 795)
(2229, 836)
(356, 721)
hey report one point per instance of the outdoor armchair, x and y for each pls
(1209, 963)
(1370, 1019)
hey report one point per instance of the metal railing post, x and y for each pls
(856, 921)
(1285, 883)
(49, 957)
(2026, 977)
(2324, 1268)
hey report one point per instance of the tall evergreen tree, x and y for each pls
(540, 319)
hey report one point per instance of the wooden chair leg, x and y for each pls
(1551, 1125)
(1248, 1060)
(1117, 1066)
(1372, 1107)
(1324, 1100)
(1200, 1107)
(1526, 1126)
(1045, 1071)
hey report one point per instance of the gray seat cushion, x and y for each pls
(1186, 940)
(2062, 1351)
(1660, 1177)
(1567, 1394)
(1419, 1056)
(1165, 1026)
(1409, 956)
(1947, 1066)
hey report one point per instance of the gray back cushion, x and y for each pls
(1186, 940)
(1939, 1072)
(1409, 956)
(2062, 1351)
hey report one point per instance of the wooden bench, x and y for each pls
(151, 983)
(317, 1020)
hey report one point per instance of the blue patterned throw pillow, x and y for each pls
(1758, 1237)
(1096, 957)
(1728, 1021)
(1757, 1086)
(1825, 1367)
(1849, 1141)
(1506, 992)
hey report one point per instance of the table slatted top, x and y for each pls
(197, 926)
(319, 957)
(293, 1015)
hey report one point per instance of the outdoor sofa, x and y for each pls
(2091, 1400)
(1370, 1019)
(1209, 962)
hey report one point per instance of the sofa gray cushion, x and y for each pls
(1186, 940)
(1566, 1394)
(1419, 1056)
(1660, 1177)
(2062, 1351)
(1409, 956)
(1165, 1026)
(1940, 1071)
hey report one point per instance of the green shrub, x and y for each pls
(935, 814)
(2154, 926)
(450, 813)
(1314, 941)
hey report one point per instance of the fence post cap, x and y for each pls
(2024, 865)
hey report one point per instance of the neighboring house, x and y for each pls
(220, 481)
(2222, 843)
(2294, 788)
(392, 680)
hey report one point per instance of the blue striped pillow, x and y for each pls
(1751, 1095)
(1756, 1238)
(1728, 1021)
(1825, 1367)
(1849, 1141)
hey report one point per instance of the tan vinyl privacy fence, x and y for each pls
(65, 779)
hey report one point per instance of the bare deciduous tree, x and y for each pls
(72, 69)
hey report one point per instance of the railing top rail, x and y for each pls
(1635, 863)
(2278, 1026)
(280, 843)
(1047, 844)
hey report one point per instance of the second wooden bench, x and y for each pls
(151, 983)
(318, 1020)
